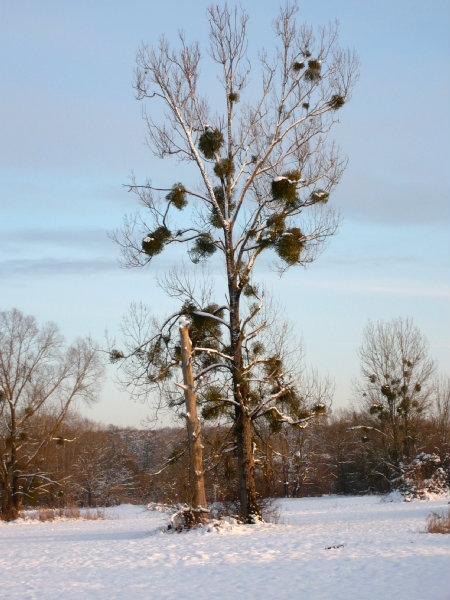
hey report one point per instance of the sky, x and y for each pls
(71, 133)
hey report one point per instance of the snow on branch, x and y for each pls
(366, 428)
(169, 461)
(183, 322)
(182, 386)
(200, 313)
(286, 418)
(212, 351)
(257, 410)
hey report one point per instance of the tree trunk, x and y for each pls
(196, 479)
(10, 501)
(250, 511)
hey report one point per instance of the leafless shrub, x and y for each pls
(93, 515)
(46, 514)
(270, 511)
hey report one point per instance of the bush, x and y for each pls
(422, 476)
(187, 518)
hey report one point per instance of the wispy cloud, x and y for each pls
(407, 288)
(52, 266)
(47, 236)
(366, 199)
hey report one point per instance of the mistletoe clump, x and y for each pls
(320, 196)
(154, 242)
(336, 101)
(274, 420)
(213, 399)
(284, 188)
(298, 65)
(210, 142)
(205, 324)
(206, 332)
(273, 366)
(224, 168)
(275, 227)
(160, 359)
(276, 224)
(116, 355)
(214, 218)
(250, 291)
(291, 403)
(177, 196)
(204, 247)
(289, 245)
(312, 73)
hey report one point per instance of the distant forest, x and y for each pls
(396, 438)
(89, 465)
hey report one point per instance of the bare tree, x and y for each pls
(197, 483)
(267, 170)
(38, 374)
(441, 414)
(396, 384)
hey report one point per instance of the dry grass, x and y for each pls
(438, 522)
(71, 512)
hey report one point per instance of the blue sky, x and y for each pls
(71, 133)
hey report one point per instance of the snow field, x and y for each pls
(322, 548)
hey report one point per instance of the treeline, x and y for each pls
(344, 453)
(396, 438)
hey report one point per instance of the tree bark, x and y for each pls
(196, 478)
(10, 497)
(250, 510)
(10, 500)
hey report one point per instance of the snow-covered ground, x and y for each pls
(333, 548)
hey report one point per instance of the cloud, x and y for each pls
(406, 288)
(46, 236)
(52, 266)
(366, 199)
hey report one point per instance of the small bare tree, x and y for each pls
(441, 415)
(267, 171)
(38, 374)
(396, 385)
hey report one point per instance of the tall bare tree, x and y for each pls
(38, 374)
(267, 170)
